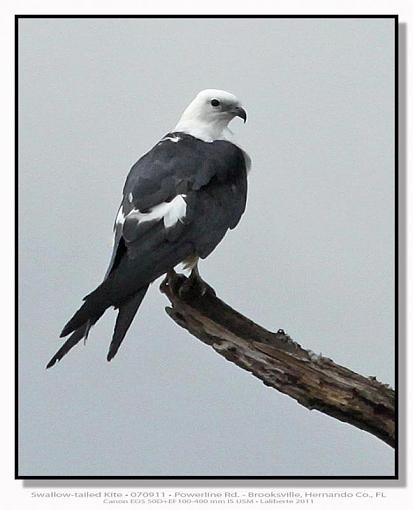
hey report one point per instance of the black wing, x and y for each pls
(208, 182)
(212, 179)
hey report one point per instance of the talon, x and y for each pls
(207, 289)
(196, 286)
(175, 281)
(193, 286)
(188, 287)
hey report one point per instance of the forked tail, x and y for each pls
(90, 312)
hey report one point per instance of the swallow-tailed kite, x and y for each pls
(178, 202)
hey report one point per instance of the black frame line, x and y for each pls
(395, 17)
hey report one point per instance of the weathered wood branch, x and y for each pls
(316, 382)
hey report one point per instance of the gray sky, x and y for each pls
(313, 253)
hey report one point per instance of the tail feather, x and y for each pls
(95, 304)
(90, 312)
(78, 334)
(127, 312)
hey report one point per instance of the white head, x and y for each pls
(209, 114)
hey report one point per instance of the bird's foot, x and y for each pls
(196, 286)
(174, 281)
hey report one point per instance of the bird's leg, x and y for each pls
(174, 280)
(195, 284)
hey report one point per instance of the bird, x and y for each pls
(179, 201)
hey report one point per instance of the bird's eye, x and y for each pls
(215, 102)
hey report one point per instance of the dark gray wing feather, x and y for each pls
(211, 176)
(213, 179)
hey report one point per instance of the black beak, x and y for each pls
(240, 112)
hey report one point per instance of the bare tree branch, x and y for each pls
(316, 382)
